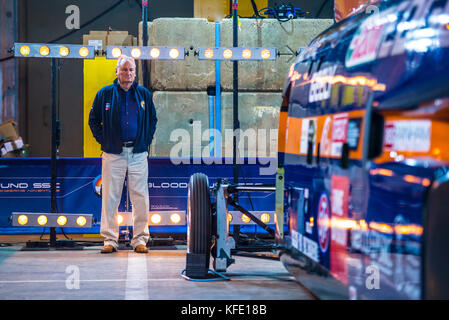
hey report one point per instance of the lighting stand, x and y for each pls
(55, 139)
(236, 122)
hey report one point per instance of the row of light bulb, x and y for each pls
(246, 53)
(137, 52)
(155, 218)
(265, 218)
(116, 52)
(42, 220)
(45, 51)
(175, 218)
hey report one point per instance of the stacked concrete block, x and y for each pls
(183, 118)
(180, 86)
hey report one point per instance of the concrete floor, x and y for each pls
(89, 275)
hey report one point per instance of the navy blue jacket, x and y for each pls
(104, 119)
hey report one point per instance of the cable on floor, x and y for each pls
(223, 277)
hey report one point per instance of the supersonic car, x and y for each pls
(362, 180)
(362, 185)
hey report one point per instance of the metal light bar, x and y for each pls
(237, 53)
(72, 220)
(156, 218)
(237, 217)
(146, 53)
(47, 50)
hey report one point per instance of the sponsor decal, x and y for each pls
(323, 222)
(168, 185)
(320, 87)
(305, 245)
(364, 44)
(27, 187)
(308, 134)
(339, 213)
(339, 133)
(97, 184)
(326, 139)
(407, 135)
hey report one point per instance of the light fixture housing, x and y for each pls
(35, 219)
(147, 53)
(238, 219)
(237, 53)
(167, 218)
(48, 50)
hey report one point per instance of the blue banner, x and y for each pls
(25, 186)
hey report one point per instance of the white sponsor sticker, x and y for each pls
(320, 87)
(339, 133)
(308, 133)
(305, 245)
(407, 135)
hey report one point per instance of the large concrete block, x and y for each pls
(189, 74)
(195, 75)
(267, 75)
(187, 113)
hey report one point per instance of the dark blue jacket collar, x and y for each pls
(134, 85)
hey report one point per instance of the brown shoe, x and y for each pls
(108, 249)
(140, 248)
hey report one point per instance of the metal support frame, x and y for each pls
(227, 245)
(223, 243)
(146, 74)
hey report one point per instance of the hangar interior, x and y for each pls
(180, 94)
(223, 150)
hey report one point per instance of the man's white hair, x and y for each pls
(124, 58)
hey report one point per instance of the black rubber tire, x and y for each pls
(199, 229)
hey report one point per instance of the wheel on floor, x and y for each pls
(199, 230)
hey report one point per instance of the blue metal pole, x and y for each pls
(211, 96)
(217, 140)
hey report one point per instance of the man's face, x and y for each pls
(126, 73)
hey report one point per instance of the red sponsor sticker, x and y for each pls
(339, 231)
(364, 44)
(323, 220)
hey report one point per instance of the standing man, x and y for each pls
(123, 120)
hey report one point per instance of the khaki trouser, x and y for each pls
(114, 168)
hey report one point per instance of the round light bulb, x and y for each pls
(136, 53)
(25, 50)
(156, 218)
(265, 53)
(44, 51)
(227, 53)
(83, 52)
(246, 53)
(155, 53)
(22, 219)
(173, 53)
(209, 53)
(175, 218)
(62, 220)
(116, 52)
(64, 51)
(81, 221)
(42, 220)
